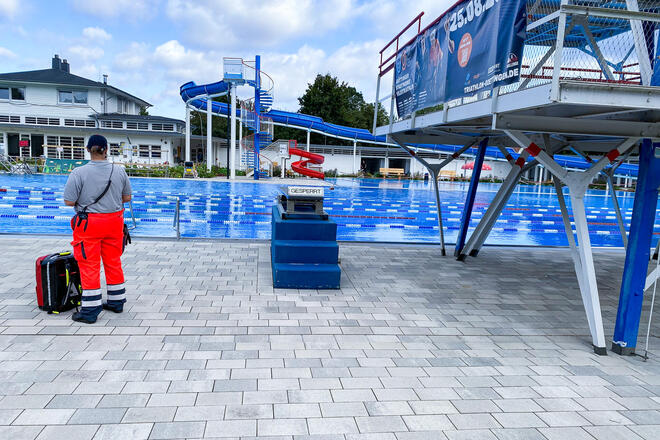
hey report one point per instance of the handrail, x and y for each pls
(417, 19)
(272, 82)
(130, 208)
(176, 224)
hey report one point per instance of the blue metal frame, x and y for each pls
(257, 115)
(471, 195)
(639, 251)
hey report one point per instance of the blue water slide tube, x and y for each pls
(191, 91)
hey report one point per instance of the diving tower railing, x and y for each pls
(587, 84)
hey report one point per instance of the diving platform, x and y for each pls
(587, 83)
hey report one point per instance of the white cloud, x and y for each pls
(165, 68)
(233, 29)
(96, 34)
(255, 22)
(6, 53)
(8, 8)
(134, 58)
(130, 9)
(86, 53)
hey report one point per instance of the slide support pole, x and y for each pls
(187, 133)
(209, 133)
(232, 146)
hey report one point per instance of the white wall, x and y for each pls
(42, 100)
(344, 165)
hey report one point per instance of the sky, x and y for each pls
(150, 47)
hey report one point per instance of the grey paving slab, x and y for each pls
(414, 346)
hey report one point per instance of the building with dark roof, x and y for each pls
(52, 113)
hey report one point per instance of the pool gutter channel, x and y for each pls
(342, 242)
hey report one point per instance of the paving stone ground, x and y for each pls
(414, 346)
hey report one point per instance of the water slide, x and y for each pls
(191, 93)
(301, 165)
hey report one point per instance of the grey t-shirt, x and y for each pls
(87, 182)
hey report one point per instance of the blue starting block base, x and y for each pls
(304, 251)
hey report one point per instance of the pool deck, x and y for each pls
(414, 346)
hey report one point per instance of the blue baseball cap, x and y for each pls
(97, 140)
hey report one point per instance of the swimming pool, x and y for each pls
(373, 210)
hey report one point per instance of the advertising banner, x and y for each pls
(475, 46)
(62, 166)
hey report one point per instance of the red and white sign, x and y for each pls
(23, 143)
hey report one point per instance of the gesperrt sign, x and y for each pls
(304, 192)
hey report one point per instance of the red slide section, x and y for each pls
(301, 165)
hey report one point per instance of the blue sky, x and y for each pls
(151, 47)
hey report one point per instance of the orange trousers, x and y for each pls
(99, 238)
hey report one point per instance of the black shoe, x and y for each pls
(110, 308)
(79, 318)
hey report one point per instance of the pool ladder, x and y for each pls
(130, 208)
(176, 224)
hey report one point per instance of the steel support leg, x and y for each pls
(434, 171)
(570, 236)
(471, 195)
(638, 252)
(589, 288)
(495, 208)
(436, 188)
(578, 183)
(485, 226)
(617, 211)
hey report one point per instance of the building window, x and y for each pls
(115, 150)
(69, 147)
(144, 150)
(16, 93)
(79, 123)
(112, 124)
(66, 97)
(137, 126)
(80, 97)
(72, 97)
(122, 105)
(155, 151)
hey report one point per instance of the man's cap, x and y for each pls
(97, 140)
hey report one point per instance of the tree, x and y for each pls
(338, 103)
(144, 111)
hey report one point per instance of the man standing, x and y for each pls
(98, 191)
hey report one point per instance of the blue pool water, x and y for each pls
(365, 209)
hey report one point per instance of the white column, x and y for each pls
(209, 133)
(240, 141)
(187, 133)
(170, 155)
(354, 156)
(232, 153)
(4, 148)
(308, 133)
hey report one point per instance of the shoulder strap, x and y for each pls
(107, 187)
